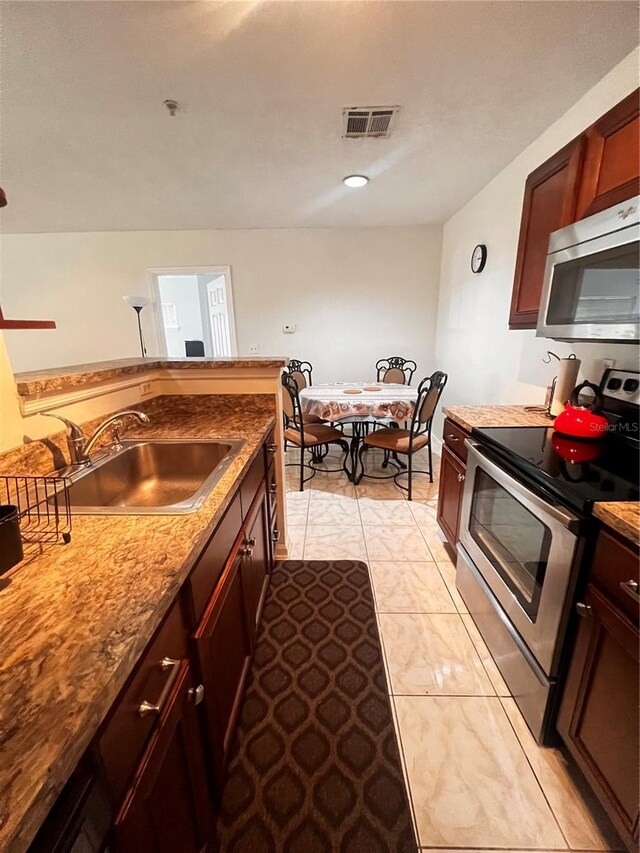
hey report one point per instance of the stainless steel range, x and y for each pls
(525, 524)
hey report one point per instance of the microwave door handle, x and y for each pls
(509, 482)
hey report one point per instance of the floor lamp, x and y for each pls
(138, 303)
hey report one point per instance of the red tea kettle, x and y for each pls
(582, 421)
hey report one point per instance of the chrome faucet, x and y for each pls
(80, 446)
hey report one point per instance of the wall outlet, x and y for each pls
(254, 349)
(289, 328)
(146, 389)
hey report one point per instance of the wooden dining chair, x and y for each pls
(308, 436)
(408, 441)
(396, 369)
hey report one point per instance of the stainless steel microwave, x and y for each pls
(591, 288)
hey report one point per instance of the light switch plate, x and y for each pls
(289, 328)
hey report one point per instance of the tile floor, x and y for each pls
(477, 779)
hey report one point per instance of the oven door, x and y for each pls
(523, 547)
(592, 290)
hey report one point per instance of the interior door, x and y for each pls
(219, 317)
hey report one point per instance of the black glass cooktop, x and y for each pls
(577, 473)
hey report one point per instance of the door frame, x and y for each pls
(215, 269)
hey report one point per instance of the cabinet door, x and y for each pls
(256, 560)
(550, 199)
(452, 473)
(598, 717)
(168, 806)
(612, 159)
(223, 648)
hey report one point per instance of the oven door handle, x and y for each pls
(508, 481)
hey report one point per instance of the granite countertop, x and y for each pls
(75, 619)
(622, 516)
(76, 375)
(469, 417)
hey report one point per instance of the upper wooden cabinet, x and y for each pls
(550, 202)
(596, 170)
(612, 161)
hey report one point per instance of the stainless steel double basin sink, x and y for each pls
(151, 477)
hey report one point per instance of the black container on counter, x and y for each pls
(10, 540)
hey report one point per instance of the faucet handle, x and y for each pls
(116, 426)
(73, 430)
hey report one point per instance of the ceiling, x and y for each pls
(87, 145)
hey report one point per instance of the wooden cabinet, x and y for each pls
(256, 560)
(612, 160)
(596, 170)
(550, 202)
(223, 648)
(154, 750)
(168, 805)
(453, 469)
(598, 717)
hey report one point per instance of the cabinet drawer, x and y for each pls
(131, 722)
(454, 437)
(251, 482)
(614, 564)
(207, 571)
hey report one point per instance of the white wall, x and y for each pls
(183, 292)
(355, 294)
(486, 362)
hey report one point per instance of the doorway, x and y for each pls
(194, 312)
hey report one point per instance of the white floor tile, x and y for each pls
(432, 654)
(396, 543)
(470, 781)
(416, 587)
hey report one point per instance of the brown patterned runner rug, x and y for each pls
(316, 767)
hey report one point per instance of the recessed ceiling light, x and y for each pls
(355, 181)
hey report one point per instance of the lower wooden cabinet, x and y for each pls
(256, 560)
(452, 474)
(223, 648)
(168, 807)
(598, 717)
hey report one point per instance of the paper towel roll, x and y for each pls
(566, 381)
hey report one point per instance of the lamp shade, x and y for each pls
(137, 302)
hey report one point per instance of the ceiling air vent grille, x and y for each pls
(368, 121)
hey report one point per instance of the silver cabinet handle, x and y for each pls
(453, 437)
(271, 448)
(275, 535)
(247, 551)
(461, 478)
(273, 489)
(196, 694)
(252, 542)
(149, 708)
(631, 588)
(583, 610)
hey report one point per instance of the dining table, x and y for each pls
(360, 404)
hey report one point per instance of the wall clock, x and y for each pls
(479, 258)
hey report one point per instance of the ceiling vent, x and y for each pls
(367, 121)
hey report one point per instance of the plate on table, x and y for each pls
(352, 391)
(372, 388)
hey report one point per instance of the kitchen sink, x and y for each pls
(150, 477)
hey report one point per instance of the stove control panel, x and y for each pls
(622, 385)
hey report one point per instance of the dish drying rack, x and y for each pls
(44, 510)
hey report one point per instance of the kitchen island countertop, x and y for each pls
(75, 619)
